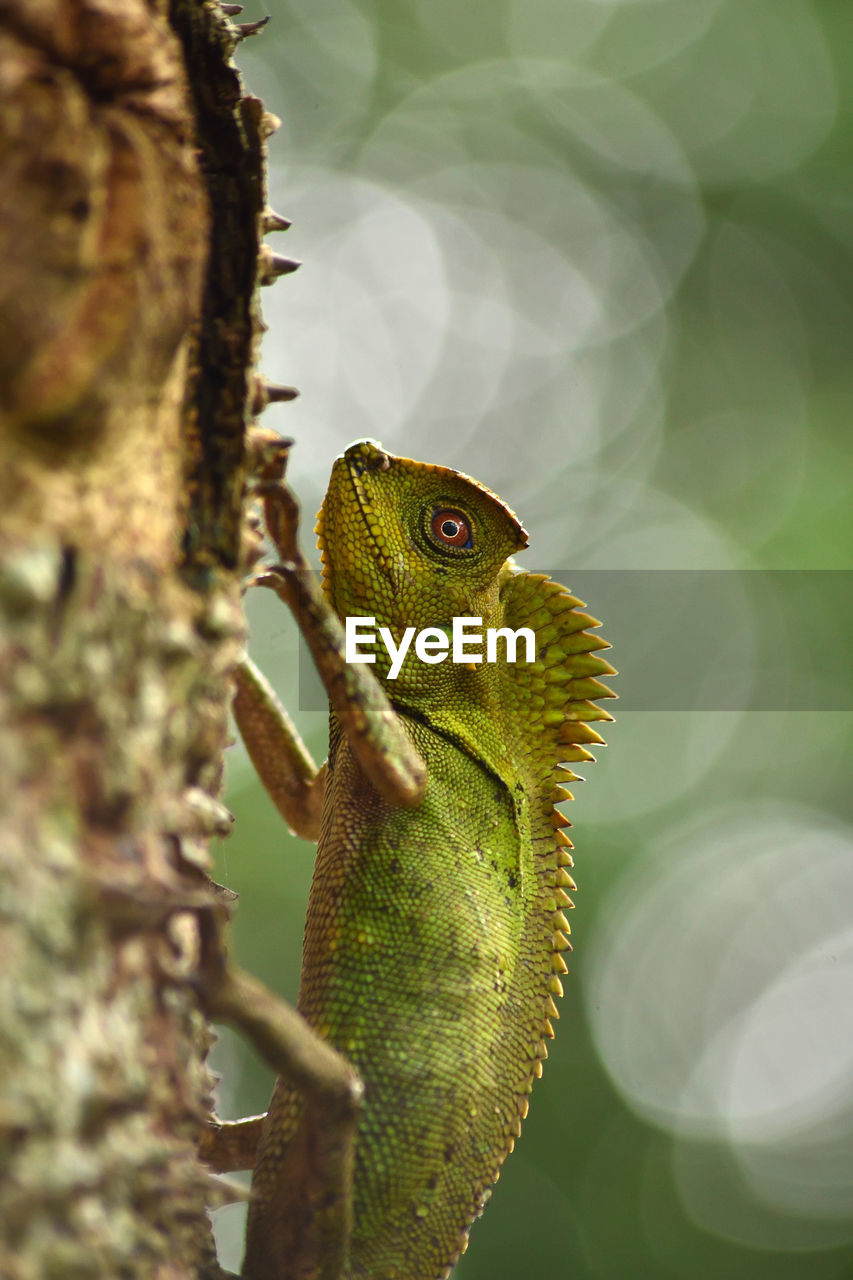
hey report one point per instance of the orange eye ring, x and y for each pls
(450, 528)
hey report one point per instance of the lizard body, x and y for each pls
(432, 953)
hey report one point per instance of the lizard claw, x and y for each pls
(281, 512)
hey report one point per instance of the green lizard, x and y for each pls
(435, 930)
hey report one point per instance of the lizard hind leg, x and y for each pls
(300, 1222)
(300, 1216)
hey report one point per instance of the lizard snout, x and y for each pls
(366, 455)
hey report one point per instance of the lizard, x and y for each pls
(436, 927)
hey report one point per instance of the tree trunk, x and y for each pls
(130, 212)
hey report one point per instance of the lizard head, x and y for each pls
(415, 546)
(412, 543)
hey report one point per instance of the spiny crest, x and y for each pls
(558, 692)
(557, 695)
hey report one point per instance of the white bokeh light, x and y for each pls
(718, 988)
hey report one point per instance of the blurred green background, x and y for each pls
(599, 255)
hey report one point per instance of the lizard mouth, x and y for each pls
(346, 482)
(363, 458)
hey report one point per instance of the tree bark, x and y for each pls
(130, 212)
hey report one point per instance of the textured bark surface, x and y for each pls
(124, 367)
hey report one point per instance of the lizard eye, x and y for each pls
(450, 528)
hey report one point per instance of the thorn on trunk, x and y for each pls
(270, 393)
(231, 10)
(244, 29)
(269, 124)
(272, 265)
(276, 393)
(275, 221)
